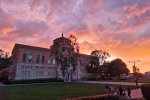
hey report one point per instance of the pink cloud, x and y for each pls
(119, 27)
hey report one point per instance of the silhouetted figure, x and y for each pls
(124, 93)
(107, 88)
(129, 92)
(112, 89)
(120, 90)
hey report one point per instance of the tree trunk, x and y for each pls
(69, 80)
(96, 76)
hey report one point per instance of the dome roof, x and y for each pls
(62, 38)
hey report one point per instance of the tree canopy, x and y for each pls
(98, 58)
(100, 55)
(99, 66)
(66, 57)
(5, 60)
(117, 68)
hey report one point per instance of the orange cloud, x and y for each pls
(118, 27)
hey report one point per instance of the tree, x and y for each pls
(117, 68)
(66, 62)
(4, 75)
(98, 58)
(5, 60)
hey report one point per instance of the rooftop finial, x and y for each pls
(62, 35)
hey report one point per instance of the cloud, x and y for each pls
(30, 28)
(120, 27)
(135, 17)
(6, 21)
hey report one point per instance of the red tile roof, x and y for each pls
(17, 46)
(30, 47)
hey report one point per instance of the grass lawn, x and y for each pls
(51, 91)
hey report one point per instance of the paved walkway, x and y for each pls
(104, 82)
(136, 94)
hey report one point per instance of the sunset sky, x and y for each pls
(120, 27)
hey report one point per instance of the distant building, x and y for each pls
(30, 62)
(147, 74)
(133, 76)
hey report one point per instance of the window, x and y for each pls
(43, 59)
(50, 60)
(54, 61)
(24, 57)
(66, 42)
(63, 50)
(30, 58)
(80, 62)
(38, 59)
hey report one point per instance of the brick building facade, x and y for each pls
(30, 62)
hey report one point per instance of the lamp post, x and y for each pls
(135, 70)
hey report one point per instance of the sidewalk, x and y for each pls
(136, 94)
(117, 83)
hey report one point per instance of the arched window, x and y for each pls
(24, 57)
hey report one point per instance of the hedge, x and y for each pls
(146, 91)
(7, 82)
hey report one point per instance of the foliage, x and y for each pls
(108, 69)
(4, 75)
(5, 61)
(97, 60)
(146, 90)
(67, 62)
(32, 81)
(117, 68)
(100, 55)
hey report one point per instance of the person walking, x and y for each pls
(124, 93)
(107, 87)
(121, 93)
(120, 90)
(129, 92)
(112, 89)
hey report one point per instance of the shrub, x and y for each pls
(146, 91)
(31, 81)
